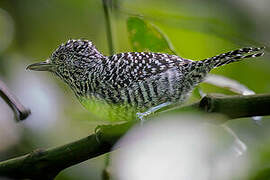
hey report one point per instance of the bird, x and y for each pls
(132, 84)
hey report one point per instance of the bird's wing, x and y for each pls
(127, 68)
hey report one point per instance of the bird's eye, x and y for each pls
(62, 57)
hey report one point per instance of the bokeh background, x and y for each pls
(30, 30)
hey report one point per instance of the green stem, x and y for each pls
(108, 27)
(106, 172)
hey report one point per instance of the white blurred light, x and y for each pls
(37, 93)
(233, 85)
(177, 150)
(9, 131)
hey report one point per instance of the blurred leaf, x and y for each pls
(207, 24)
(232, 85)
(144, 36)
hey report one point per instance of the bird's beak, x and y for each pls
(41, 66)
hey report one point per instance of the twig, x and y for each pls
(19, 110)
(48, 163)
(108, 26)
(237, 106)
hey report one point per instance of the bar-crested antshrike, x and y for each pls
(144, 81)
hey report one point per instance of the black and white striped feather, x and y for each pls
(138, 79)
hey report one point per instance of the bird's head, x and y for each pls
(73, 58)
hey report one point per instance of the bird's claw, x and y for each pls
(141, 117)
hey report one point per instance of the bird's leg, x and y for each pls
(150, 111)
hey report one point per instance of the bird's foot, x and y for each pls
(141, 116)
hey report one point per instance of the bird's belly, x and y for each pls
(108, 111)
(150, 92)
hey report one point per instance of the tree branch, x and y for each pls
(236, 106)
(48, 163)
(19, 110)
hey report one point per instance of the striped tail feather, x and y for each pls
(234, 56)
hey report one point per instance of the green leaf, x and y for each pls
(144, 36)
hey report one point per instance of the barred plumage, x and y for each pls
(138, 79)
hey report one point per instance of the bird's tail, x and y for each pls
(233, 56)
